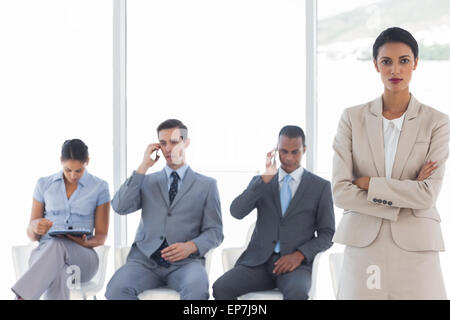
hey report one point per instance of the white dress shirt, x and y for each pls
(295, 181)
(391, 129)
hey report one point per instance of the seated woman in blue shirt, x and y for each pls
(70, 199)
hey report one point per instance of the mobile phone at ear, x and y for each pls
(274, 159)
(156, 154)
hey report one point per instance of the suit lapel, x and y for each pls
(188, 180)
(374, 127)
(162, 183)
(276, 194)
(407, 137)
(304, 183)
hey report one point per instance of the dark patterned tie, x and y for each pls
(173, 186)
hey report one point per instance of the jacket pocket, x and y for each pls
(139, 236)
(431, 213)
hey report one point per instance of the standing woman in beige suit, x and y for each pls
(388, 168)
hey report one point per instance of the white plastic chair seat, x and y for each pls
(274, 294)
(230, 256)
(21, 255)
(92, 288)
(161, 293)
(336, 260)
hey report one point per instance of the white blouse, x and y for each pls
(391, 129)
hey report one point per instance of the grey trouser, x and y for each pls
(141, 273)
(49, 263)
(242, 279)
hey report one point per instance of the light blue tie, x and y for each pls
(285, 198)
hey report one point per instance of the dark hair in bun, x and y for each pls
(74, 149)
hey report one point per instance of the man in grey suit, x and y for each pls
(292, 204)
(180, 221)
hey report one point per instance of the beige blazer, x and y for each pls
(409, 205)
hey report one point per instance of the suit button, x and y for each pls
(375, 200)
(274, 241)
(384, 201)
(390, 203)
(161, 237)
(380, 201)
(169, 214)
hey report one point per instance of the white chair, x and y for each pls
(230, 256)
(93, 287)
(21, 256)
(336, 260)
(161, 293)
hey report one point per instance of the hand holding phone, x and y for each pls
(271, 165)
(148, 161)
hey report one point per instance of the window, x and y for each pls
(56, 84)
(232, 71)
(347, 77)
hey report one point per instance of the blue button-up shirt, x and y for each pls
(180, 171)
(79, 210)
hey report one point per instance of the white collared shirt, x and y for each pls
(391, 130)
(295, 181)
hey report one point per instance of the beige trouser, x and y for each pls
(385, 271)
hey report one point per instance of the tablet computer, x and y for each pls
(75, 233)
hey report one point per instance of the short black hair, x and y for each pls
(292, 132)
(174, 123)
(395, 34)
(74, 149)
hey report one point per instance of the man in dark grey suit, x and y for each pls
(181, 221)
(292, 205)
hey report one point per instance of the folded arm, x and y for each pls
(346, 194)
(416, 194)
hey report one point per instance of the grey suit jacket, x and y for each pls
(195, 214)
(310, 210)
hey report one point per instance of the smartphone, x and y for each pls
(156, 154)
(274, 159)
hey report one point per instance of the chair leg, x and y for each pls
(95, 297)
